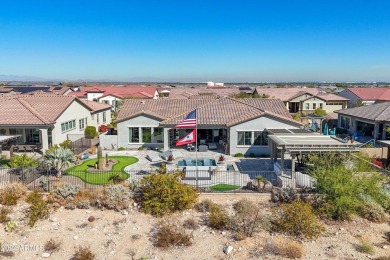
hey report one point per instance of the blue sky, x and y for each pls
(228, 41)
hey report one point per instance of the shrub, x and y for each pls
(23, 161)
(66, 144)
(252, 155)
(297, 219)
(319, 112)
(114, 197)
(238, 236)
(372, 211)
(238, 155)
(247, 218)
(4, 215)
(39, 208)
(366, 247)
(52, 245)
(284, 195)
(140, 148)
(11, 193)
(90, 132)
(83, 253)
(204, 205)
(191, 223)
(164, 193)
(218, 217)
(121, 149)
(66, 190)
(169, 234)
(287, 249)
(10, 226)
(116, 178)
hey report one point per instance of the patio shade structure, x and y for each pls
(7, 138)
(297, 144)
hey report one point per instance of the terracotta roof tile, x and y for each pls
(382, 94)
(192, 93)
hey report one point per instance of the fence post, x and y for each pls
(85, 179)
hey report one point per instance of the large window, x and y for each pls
(133, 135)
(104, 117)
(146, 135)
(158, 135)
(82, 123)
(16, 131)
(314, 106)
(321, 105)
(345, 122)
(67, 126)
(97, 118)
(260, 138)
(307, 107)
(244, 138)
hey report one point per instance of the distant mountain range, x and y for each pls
(22, 78)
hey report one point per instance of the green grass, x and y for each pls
(224, 187)
(80, 171)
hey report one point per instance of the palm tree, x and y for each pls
(59, 159)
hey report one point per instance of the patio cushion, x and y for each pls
(213, 146)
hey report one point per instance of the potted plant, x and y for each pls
(170, 159)
(221, 159)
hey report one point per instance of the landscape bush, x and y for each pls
(11, 193)
(90, 132)
(10, 226)
(52, 245)
(297, 219)
(191, 223)
(66, 190)
(218, 217)
(39, 208)
(366, 247)
(204, 205)
(4, 215)
(66, 144)
(83, 253)
(164, 193)
(113, 197)
(23, 161)
(238, 155)
(121, 149)
(372, 212)
(284, 195)
(168, 233)
(286, 248)
(116, 178)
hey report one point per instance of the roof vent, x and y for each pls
(143, 102)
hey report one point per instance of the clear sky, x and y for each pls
(247, 41)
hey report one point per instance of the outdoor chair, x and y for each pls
(21, 149)
(213, 146)
(203, 148)
(28, 148)
(154, 158)
(190, 147)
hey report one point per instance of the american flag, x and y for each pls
(189, 121)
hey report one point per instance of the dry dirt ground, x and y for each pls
(114, 235)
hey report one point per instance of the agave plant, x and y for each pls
(59, 159)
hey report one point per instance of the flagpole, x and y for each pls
(196, 147)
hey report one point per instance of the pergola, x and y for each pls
(6, 139)
(298, 142)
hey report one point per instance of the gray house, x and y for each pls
(236, 126)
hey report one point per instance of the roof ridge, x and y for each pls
(32, 110)
(242, 102)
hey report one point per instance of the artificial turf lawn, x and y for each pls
(224, 187)
(81, 172)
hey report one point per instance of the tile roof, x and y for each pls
(196, 93)
(118, 91)
(37, 109)
(382, 94)
(286, 94)
(223, 111)
(376, 112)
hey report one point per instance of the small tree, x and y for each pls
(59, 159)
(320, 112)
(23, 161)
(90, 132)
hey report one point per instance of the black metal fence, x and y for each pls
(204, 181)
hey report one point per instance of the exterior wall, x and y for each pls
(258, 124)
(351, 96)
(311, 101)
(92, 96)
(140, 121)
(332, 108)
(109, 142)
(111, 100)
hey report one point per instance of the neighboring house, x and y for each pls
(369, 121)
(306, 100)
(365, 96)
(114, 95)
(197, 93)
(236, 125)
(49, 119)
(59, 90)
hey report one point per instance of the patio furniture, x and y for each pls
(213, 146)
(166, 154)
(203, 148)
(190, 147)
(202, 141)
(154, 158)
(28, 148)
(21, 148)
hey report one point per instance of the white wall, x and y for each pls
(258, 124)
(92, 96)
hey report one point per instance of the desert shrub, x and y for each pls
(66, 144)
(285, 195)
(90, 132)
(23, 161)
(238, 236)
(4, 215)
(116, 178)
(372, 211)
(10, 226)
(113, 197)
(218, 217)
(140, 148)
(66, 190)
(52, 245)
(83, 253)
(11, 193)
(164, 193)
(238, 155)
(121, 149)
(38, 209)
(44, 183)
(366, 247)
(191, 223)
(204, 205)
(247, 218)
(168, 234)
(297, 219)
(286, 248)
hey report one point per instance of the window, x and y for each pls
(104, 117)
(260, 138)
(321, 105)
(67, 126)
(97, 119)
(106, 102)
(133, 135)
(314, 106)
(82, 123)
(345, 122)
(244, 138)
(158, 135)
(307, 106)
(20, 139)
(146, 134)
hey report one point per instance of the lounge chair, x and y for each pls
(213, 146)
(154, 158)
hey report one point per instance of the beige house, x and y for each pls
(45, 120)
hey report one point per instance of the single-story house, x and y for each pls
(306, 100)
(366, 96)
(370, 121)
(237, 126)
(48, 119)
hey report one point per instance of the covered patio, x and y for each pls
(285, 148)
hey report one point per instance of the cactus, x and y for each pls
(100, 158)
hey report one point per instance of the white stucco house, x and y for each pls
(237, 126)
(47, 119)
